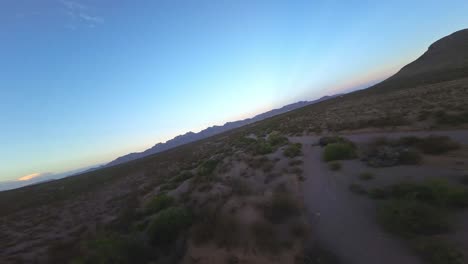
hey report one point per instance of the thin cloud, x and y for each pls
(30, 176)
(79, 14)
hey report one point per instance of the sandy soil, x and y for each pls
(343, 222)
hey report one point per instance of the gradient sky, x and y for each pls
(82, 82)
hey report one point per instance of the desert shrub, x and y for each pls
(339, 151)
(435, 251)
(295, 162)
(262, 148)
(324, 141)
(293, 150)
(183, 176)
(281, 207)
(257, 162)
(224, 230)
(334, 166)
(357, 188)
(168, 186)
(158, 203)
(438, 192)
(409, 157)
(437, 145)
(365, 176)
(207, 167)
(378, 193)
(410, 217)
(114, 248)
(268, 166)
(276, 139)
(265, 237)
(445, 118)
(168, 225)
(296, 170)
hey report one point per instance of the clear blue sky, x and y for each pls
(82, 82)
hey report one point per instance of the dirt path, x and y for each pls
(343, 222)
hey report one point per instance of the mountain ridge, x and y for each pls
(211, 131)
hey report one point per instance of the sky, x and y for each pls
(83, 82)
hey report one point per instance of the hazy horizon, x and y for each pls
(86, 82)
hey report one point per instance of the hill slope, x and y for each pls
(446, 59)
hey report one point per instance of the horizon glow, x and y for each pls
(83, 82)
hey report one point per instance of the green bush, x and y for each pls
(339, 151)
(276, 139)
(207, 167)
(168, 225)
(365, 176)
(262, 148)
(410, 218)
(293, 150)
(281, 207)
(435, 251)
(324, 141)
(158, 203)
(183, 176)
(334, 166)
(114, 248)
(295, 162)
(438, 192)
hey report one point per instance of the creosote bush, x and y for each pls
(281, 207)
(168, 225)
(410, 218)
(365, 176)
(158, 203)
(293, 150)
(339, 151)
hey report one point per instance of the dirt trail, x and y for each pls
(342, 223)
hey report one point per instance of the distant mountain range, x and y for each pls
(211, 131)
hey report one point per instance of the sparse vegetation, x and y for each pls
(168, 225)
(365, 176)
(295, 162)
(281, 207)
(436, 251)
(158, 203)
(339, 151)
(276, 139)
(293, 150)
(410, 218)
